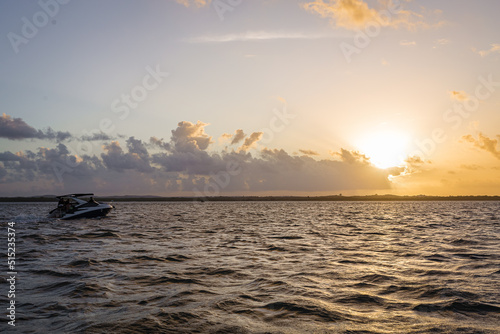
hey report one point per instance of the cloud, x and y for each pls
(8, 156)
(44, 169)
(308, 152)
(356, 14)
(251, 140)
(495, 48)
(159, 143)
(352, 157)
(442, 41)
(98, 136)
(16, 128)
(484, 143)
(189, 137)
(407, 43)
(277, 170)
(197, 3)
(350, 14)
(137, 157)
(414, 161)
(471, 167)
(414, 165)
(460, 96)
(56, 135)
(253, 36)
(137, 147)
(185, 166)
(239, 136)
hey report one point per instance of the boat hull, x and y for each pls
(94, 213)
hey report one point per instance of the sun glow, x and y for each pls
(385, 149)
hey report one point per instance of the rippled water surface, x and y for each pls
(258, 267)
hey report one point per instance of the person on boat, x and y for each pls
(67, 206)
(62, 207)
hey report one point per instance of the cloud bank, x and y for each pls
(185, 165)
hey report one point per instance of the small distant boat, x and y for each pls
(71, 206)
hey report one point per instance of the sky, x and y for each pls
(249, 97)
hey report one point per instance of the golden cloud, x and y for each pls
(351, 157)
(356, 14)
(407, 43)
(308, 152)
(197, 3)
(251, 140)
(459, 95)
(238, 136)
(495, 48)
(484, 143)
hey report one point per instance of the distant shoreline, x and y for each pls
(332, 198)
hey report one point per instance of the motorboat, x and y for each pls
(72, 206)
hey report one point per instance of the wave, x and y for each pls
(262, 268)
(458, 306)
(95, 235)
(306, 308)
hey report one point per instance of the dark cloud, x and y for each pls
(276, 170)
(56, 135)
(159, 143)
(17, 129)
(186, 168)
(136, 146)
(98, 136)
(137, 157)
(3, 173)
(200, 163)
(9, 156)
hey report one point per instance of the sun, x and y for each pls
(385, 148)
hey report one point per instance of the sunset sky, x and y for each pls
(250, 97)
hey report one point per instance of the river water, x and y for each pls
(257, 267)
